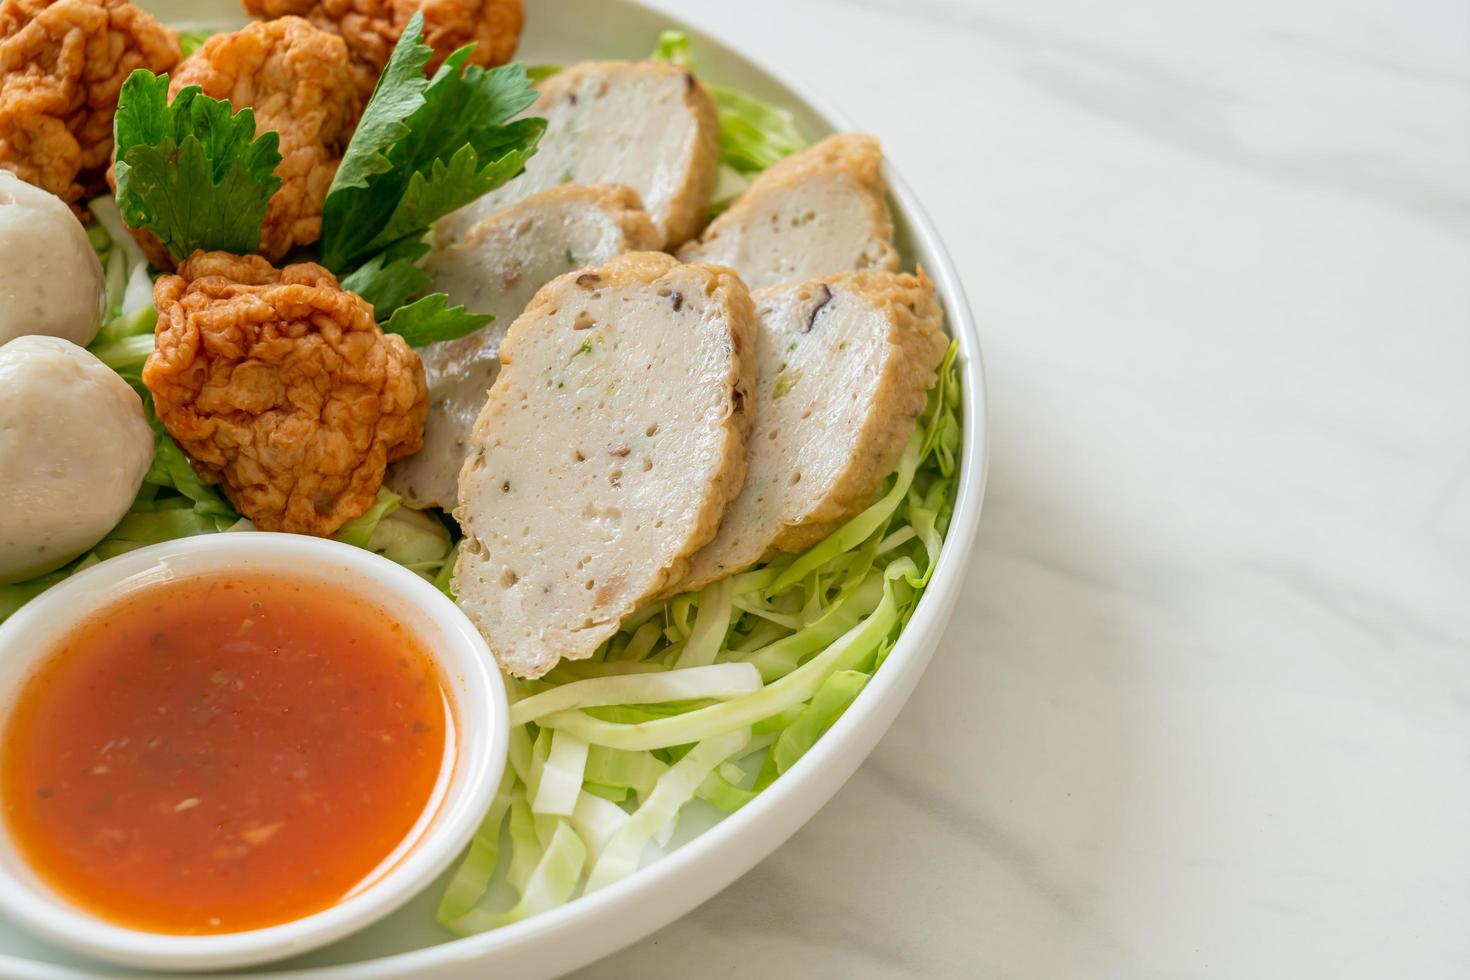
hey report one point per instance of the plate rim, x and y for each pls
(889, 690)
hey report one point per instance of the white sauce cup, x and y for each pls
(475, 740)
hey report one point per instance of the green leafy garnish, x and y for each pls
(431, 320)
(425, 147)
(390, 278)
(190, 171)
(409, 537)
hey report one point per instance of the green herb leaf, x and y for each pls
(397, 96)
(189, 171)
(431, 320)
(424, 148)
(445, 186)
(390, 278)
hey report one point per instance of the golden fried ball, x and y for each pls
(62, 64)
(298, 79)
(280, 386)
(372, 27)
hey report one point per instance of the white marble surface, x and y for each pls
(1207, 710)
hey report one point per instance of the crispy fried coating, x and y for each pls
(372, 27)
(62, 63)
(280, 386)
(298, 79)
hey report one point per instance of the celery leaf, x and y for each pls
(431, 320)
(190, 171)
(425, 147)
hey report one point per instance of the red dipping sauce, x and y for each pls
(215, 755)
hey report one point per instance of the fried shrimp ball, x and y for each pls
(298, 79)
(62, 64)
(280, 386)
(371, 28)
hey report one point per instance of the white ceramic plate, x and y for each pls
(409, 943)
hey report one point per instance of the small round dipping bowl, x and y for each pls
(475, 742)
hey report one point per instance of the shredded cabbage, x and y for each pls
(561, 776)
(675, 787)
(719, 681)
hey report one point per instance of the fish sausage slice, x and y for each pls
(610, 447)
(496, 269)
(845, 366)
(646, 124)
(815, 213)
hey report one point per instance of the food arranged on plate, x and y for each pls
(606, 352)
(52, 280)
